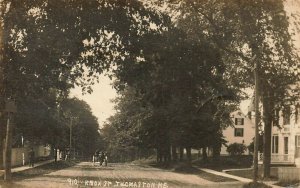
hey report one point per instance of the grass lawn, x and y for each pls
(184, 168)
(249, 173)
(208, 176)
(225, 162)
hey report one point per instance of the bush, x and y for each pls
(236, 149)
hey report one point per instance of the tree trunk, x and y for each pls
(267, 106)
(55, 154)
(189, 154)
(158, 155)
(181, 154)
(174, 153)
(139, 154)
(165, 158)
(1, 144)
(216, 153)
(168, 152)
(216, 150)
(7, 150)
(204, 154)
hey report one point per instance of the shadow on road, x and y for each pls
(92, 167)
(41, 170)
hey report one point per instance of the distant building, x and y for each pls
(20, 156)
(241, 132)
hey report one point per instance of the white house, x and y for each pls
(242, 132)
(285, 143)
(285, 140)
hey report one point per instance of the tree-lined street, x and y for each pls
(180, 68)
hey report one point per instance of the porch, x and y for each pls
(278, 158)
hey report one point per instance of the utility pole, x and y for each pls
(7, 149)
(10, 108)
(255, 160)
(1, 79)
(70, 150)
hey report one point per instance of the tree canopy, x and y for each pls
(233, 35)
(50, 46)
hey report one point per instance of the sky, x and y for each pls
(100, 99)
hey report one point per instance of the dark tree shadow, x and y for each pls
(42, 170)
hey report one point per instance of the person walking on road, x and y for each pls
(31, 157)
(105, 159)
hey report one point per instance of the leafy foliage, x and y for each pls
(164, 102)
(236, 149)
(85, 134)
(47, 49)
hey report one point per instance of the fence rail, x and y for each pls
(278, 158)
(282, 158)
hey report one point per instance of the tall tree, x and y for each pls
(173, 76)
(243, 30)
(44, 44)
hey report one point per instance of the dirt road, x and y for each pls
(117, 175)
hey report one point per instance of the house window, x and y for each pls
(286, 145)
(275, 144)
(286, 115)
(239, 121)
(238, 132)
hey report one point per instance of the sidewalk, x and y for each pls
(241, 179)
(22, 168)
